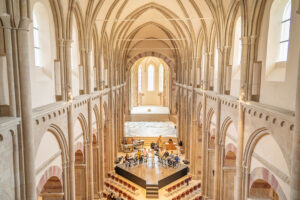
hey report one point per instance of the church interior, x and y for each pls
(149, 99)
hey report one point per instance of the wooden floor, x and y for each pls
(151, 171)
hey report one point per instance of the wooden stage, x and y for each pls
(152, 173)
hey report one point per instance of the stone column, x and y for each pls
(61, 46)
(220, 78)
(239, 157)
(204, 151)
(65, 179)
(111, 145)
(217, 152)
(70, 119)
(251, 63)
(5, 18)
(101, 147)
(26, 108)
(90, 127)
(206, 71)
(295, 175)
(194, 147)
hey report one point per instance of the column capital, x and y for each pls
(24, 24)
(68, 42)
(5, 18)
(61, 42)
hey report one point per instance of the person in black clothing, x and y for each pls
(180, 143)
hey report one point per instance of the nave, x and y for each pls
(82, 82)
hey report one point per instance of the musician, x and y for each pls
(176, 158)
(166, 154)
(159, 142)
(161, 154)
(145, 154)
(127, 157)
(138, 156)
(172, 155)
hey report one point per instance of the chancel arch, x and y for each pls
(145, 82)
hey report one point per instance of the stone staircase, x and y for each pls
(152, 191)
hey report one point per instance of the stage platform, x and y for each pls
(152, 174)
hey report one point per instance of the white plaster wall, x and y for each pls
(75, 58)
(7, 189)
(287, 89)
(236, 67)
(77, 129)
(231, 131)
(47, 149)
(42, 78)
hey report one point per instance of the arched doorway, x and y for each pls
(52, 190)
(80, 176)
(96, 150)
(261, 189)
(95, 164)
(211, 153)
(228, 173)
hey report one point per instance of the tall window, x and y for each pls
(216, 57)
(36, 41)
(285, 32)
(151, 78)
(237, 54)
(161, 78)
(140, 79)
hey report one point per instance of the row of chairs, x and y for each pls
(176, 187)
(188, 192)
(122, 183)
(112, 188)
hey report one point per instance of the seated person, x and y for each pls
(176, 158)
(152, 145)
(138, 155)
(166, 154)
(145, 153)
(172, 155)
(170, 141)
(161, 154)
(127, 157)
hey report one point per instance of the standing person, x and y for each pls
(145, 154)
(187, 181)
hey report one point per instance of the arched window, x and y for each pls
(140, 78)
(41, 34)
(285, 32)
(202, 62)
(75, 56)
(161, 78)
(216, 68)
(234, 84)
(151, 78)
(278, 40)
(237, 48)
(36, 41)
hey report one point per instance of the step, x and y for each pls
(152, 196)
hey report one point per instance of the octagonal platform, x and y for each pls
(152, 174)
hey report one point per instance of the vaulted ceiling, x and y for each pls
(168, 27)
